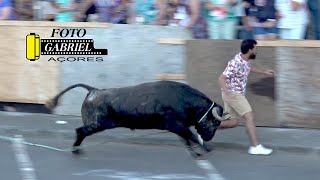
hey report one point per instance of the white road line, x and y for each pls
(33, 144)
(23, 160)
(61, 122)
(48, 147)
(210, 170)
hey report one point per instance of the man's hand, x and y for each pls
(269, 24)
(295, 5)
(222, 84)
(269, 72)
(227, 94)
(78, 16)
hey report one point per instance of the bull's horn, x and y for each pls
(215, 113)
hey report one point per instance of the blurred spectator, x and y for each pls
(7, 10)
(89, 15)
(24, 10)
(240, 14)
(246, 31)
(46, 10)
(185, 13)
(111, 11)
(66, 10)
(262, 17)
(145, 11)
(293, 18)
(314, 7)
(222, 19)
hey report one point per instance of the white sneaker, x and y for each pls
(259, 150)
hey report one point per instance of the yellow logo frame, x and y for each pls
(33, 47)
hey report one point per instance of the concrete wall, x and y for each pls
(135, 56)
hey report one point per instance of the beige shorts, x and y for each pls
(236, 106)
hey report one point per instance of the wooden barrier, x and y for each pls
(290, 99)
(22, 80)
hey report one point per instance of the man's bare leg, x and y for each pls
(249, 123)
(230, 123)
(251, 128)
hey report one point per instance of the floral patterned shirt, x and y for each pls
(237, 72)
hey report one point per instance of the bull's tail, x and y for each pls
(52, 103)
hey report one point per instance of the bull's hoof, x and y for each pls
(195, 154)
(206, 148)
(205, 155)
(76, 151)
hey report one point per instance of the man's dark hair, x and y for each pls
(247, 44)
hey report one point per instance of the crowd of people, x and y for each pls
(206, 19)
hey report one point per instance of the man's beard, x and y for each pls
(253, 56)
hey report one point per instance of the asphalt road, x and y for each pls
(103, 160)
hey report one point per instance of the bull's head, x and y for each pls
(208, 126)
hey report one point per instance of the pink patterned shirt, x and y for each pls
(237, 72)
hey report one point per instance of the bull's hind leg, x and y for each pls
(81, 134)
(87, 130)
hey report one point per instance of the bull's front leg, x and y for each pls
(193, 138)
(184, 132)
(189, 148)
(189, 137)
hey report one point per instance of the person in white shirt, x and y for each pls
(45, 10)
(293, 18)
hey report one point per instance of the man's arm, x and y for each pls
(5, 13)
(83, 7)
(256, 70)
(222, 82)
(230, 71)
(195, 8)
(5, 10)
(262, 71)
(297, 4)
(161, 17)
(23, 11)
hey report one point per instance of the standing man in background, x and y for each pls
(24, 10)
(314, 8)
(293, 18)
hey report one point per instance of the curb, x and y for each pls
(152, 139)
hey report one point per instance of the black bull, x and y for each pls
(163, 105)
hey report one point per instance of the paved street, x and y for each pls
(107, 160)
